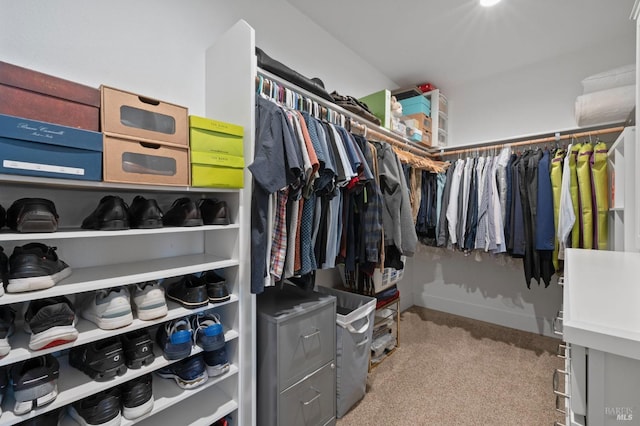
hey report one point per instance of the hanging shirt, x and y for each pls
(566, 216)
(443, 225)
(452, 208)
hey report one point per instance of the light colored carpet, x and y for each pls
(451, 370)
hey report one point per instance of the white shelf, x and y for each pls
(166, 394)
(107, 276)
(89, 332)
(74, 385)
(76, 233)
(102, 186)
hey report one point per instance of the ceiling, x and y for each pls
(452, 42)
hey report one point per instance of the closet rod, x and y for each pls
(371, 128)
(537, 141)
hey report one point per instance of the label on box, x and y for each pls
(50, 168)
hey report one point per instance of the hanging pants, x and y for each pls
(600, 191)
(556, 186)
(573, 189)
(585, 195)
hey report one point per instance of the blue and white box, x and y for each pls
(35, 148)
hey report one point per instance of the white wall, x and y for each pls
(532, 100)
(156, 47)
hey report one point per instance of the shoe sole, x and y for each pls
(219, 299)
(152, 313)
(20, 285)
(114, 225)
(100, 376)
(82, 422)
(54, 336)
(149, 224)
(109, 323)
(217, 370)
(37, 222)
(218, 222)
(131, 413)
(189, 305)
(134, 364)
(38, 396)
(186, 384)
(5, 347)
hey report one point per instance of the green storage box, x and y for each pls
(210, 169)
(206, 135)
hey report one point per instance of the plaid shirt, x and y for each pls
(279, 237)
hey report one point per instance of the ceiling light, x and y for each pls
(489, 3)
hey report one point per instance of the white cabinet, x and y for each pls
(439, 118)
(601, 325)
(635, 14)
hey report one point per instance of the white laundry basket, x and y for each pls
(354, 328)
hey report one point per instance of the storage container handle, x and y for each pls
(318, 394)
(308, 336)
(148, 101)
(360, 330)
(364, 342)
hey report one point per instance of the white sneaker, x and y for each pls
(149, 301)
(109, 309)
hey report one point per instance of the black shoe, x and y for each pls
(112, 214)
(50, 322)
(101, 360)
(4, 270)
(216, 287)
(35, 382)
(145, 213)
(137, 397)
(4, 384)
(98, 409)
(183, 212)
(138, 348)
(3, 215)
(7, 318)
(32, 215)
(190, 292)
(214, 212)
(35, 266)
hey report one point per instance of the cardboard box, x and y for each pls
(416, 105)
(36, 148)
(427, 139)
(379, 104)
(419, 121)
(206, 135)
(128, 115)
(42, 97)
(141, 162)
(216, 170)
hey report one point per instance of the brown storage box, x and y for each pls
(133, 161)
(138, 117)
(423, 122)
(426, 139)
(37, 96)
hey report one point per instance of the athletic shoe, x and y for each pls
(50, 322)
(216, 287)
(222, 422)
(217, 362)
(101, 409)
(4, 270)
(32, 215)
(213, 212)
(149, 301)
(35, 266)
(109, 309)
(137, 397)
(112, 214)
(183, 212)
(175, 338)
(145, 213)
(189, 291)
(100, 360)
(3, 216)
(7, 318)
(188, 373)
(35, 382)
(207, 331)
(138, 348)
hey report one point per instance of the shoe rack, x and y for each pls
(105, 259)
